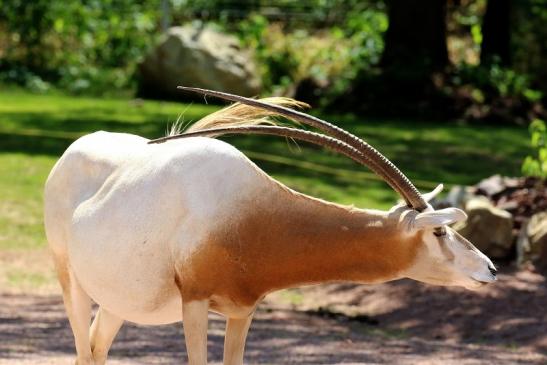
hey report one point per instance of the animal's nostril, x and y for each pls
(493, 270)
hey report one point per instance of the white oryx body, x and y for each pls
(156, 233)
(113, 199)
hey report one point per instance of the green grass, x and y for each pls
(23, 278)
(36, 129)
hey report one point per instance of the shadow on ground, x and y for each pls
(418, 325)
(509, 313)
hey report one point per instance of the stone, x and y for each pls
(523, 245)
(536, 231)
(532, 240)
(492, 185)
(201, 57)
(487, 227)
(458, 196)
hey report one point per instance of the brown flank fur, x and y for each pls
(294, 240)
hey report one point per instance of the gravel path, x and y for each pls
(34, 330)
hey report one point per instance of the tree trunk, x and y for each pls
(416, 37)
(415, 51)
(496, 32)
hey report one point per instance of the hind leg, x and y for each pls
(103, 330)
(78, 309)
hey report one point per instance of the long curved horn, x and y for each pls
(377, 162)
(308, 136)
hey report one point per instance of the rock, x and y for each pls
(532, 240)
(509, 205)
(537, 236)
(537, 230)
(487, 227)
(492, 185)
(200, 57)
(523, 245)
(497, 185)
(458, 196)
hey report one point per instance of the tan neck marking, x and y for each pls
(289, 240)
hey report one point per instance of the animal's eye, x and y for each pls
(440, 232)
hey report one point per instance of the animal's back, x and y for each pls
(121, 210)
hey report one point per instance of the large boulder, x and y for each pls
(532, 240)
(537, 232)
(487, 227)
(456, 197)
(200, 57)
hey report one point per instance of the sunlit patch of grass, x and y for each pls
(21, 182)
(22, 278)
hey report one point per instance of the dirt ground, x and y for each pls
(396, 323)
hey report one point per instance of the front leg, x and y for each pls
(234, 340)
(195, 321)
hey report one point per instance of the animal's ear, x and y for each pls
(429, 196)
(438, 218)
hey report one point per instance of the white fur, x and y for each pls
(464, 265)
(134, 192)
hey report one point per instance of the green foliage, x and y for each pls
(514, 91)
(536, 164)
(329, 58)
(319, 46)
(84, 46)
(529, 40)
(499, 81)
(93, 46)
(497, 93)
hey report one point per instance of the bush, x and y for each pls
(90, 46)
(326, 59)
(498, 81)
(536, 165)
(93, 46)
(497, 93)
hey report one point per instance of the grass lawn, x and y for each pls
(36, 129)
